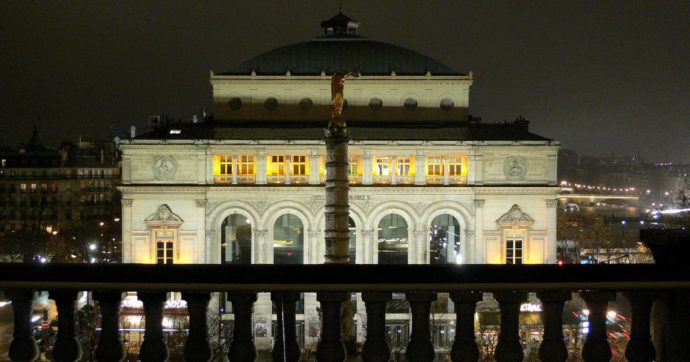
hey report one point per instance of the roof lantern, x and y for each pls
(340, 24)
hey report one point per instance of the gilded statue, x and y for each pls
(337, 97)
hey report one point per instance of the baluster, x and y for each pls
(285, 347)
(420, 347)
(640, 347)
(465, 345)
(376, 348)
(509, 347)
(154, 348)
(596, 347)
(23, 346)
(330, 347)
(553, 346)
(197, 347)
(67, 347)
(242, 347)
(110, 348)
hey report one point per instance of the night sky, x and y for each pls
(602, 77)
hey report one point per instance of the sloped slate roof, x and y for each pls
(359, 131)
(341, 52)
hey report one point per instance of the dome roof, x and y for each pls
(341, 50)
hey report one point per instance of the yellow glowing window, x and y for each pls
(222, 165)
(165, 240)
(276, 165)
(299, 165)
(245, 165)
(434, 166)
(382, 166)
(355, 166)
(405, 166)
(455, 166)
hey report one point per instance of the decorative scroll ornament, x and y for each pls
(515, 168)
(164, 217)
(164, 167)
(515, 217)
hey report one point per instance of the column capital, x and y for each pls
(126, 202)
(478, 203)
(201, 203)
(551, 203)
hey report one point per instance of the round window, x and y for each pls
(410, 104)
(305, 104)
(447, 104)
(375, 104)
(235, 104)
(271, 104)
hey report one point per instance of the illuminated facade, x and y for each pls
(429, 183)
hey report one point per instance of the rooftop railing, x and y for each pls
(510, 284)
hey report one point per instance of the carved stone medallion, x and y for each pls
(515, 168)
(164, 167)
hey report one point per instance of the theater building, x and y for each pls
(429, 183)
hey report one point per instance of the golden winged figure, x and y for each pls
(337, 97)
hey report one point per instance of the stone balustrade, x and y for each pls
(510, 284)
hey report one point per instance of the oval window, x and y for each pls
(235, 104)
(375, 104)
(447, 104)
(271, 104)
(305, 104)
(410, 104)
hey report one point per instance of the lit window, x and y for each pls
(354, 166)
(382, 166)
(455, 166)
(245, 165)
(514, 249)
(33, 187)
(222, 165)
(44, 187)
(405, 166)
(3, 163)
(434, 166)
(164, 246)
(276, 166)
(22, 187)
(299, 165)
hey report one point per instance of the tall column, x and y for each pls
(127, 256)
(154, 348)
(110, 348)
(420, 168)
(509, 347)
(261, 252)
(367, 167)
(261, 167)
(469, 255)
(367, 246)
(421, 250)
(67, 347)
(313, 251)
(288, 169)
(550, 245)
(393, 168)
(23, 346)
(337, 189)
(446, 171)
(465, 345)
(234, 169)
(596, 347)
(197, 348)
(480, 244)
(553, 347)
(314, 168)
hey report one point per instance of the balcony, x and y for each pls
(510, 284)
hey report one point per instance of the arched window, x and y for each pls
(392, 240)
(288, 240)
(444, 240)
(352, 245)
(236, 240)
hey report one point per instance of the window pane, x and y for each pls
(288, 240)
(392, 240)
